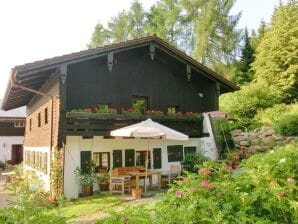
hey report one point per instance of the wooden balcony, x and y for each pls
(98, 124)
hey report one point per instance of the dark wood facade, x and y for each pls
(12, 127)
(162, 80)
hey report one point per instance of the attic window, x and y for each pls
(19, 124)
(46, 115)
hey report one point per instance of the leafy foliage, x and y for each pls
(87, 176)
(287, 125)
(265, 191)
(56, 175)
(191, 160)
(276, 61)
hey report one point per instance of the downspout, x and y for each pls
(15, 83)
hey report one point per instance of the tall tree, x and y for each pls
(244, 74)
(164, 20)
(119, 27)
(136, 19)
(100, 36)
(276, 61)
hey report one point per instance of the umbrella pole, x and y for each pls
(146, 166)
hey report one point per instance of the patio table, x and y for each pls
(150, 173)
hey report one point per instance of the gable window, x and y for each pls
(141, 158)
(39, 119)
(19, 124)
(175, 153)
(46, 115)
(101, 161)
(140, 103)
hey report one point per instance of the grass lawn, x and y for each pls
(98, 203)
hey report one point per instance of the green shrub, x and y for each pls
(191, 160)
(2, 165)
(264, 192)
(287, 125)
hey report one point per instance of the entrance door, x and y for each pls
(16, 154)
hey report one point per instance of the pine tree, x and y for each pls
(99, 37)
(136, 19)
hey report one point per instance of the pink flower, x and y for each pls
(209, 172)
(209, 186)
(125, 219)
(204, 183)
(202, 171)
(193, 189)
(290, 180)
(178, 194)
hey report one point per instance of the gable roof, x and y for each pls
(33, 75)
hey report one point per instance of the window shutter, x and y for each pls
(85, 159)
(117, 158)
(189, 150)
(129, 157)
(157, 158)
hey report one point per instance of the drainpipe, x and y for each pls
(15, 83)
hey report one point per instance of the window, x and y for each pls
(173, 109)
(141, 158)
(46, 115)
(175, 153)
(157, 158)
(140, 104)
(129, 157)
(117, 158)
(189, 150)
(101, 161)
(19, 124)
(39, 120)
(30, 124)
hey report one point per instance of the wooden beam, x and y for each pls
(152, 50)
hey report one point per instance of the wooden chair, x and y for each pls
(119, 183)
(173, 173)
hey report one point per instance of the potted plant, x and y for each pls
(2, 165)
(86, 177)
(136, 192)
(103, 181)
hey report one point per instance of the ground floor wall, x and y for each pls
(38, 159)
(75, 145)
(6, 143)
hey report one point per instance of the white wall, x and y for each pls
(76, 144)
(44, 177)
(5, 145)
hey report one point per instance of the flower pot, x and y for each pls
(136, 193)
(87, 191)
(104, 186)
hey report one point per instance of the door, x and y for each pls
(16, 154)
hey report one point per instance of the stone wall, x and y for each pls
(258, 140)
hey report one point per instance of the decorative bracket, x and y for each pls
(110, 60)
(188, 72)
(152, 50)
(218, 88)
(63, 73)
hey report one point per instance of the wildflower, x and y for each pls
(209, 186)
(193, 189)
(204, 183)
(209, 172)
(178, 194)
(283, 160)
(290, 180)
(125, 219)
(202, 171)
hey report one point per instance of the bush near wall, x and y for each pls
(287, 125)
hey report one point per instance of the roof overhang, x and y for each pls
(34, 75)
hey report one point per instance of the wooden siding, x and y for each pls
(7, 129)
(40, 136)
(163, 80)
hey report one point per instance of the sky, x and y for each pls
(33, 30)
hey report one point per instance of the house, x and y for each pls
(127, 82)
(12, 129)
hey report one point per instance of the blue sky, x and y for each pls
(38, 29)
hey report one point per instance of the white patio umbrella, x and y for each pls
(149, 129)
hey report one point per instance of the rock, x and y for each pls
(240, 138)
(268, 141)
(244, 143)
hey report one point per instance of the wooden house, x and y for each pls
(74, 101)
(12, 129)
